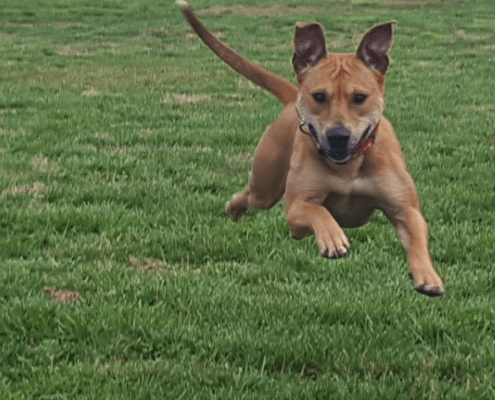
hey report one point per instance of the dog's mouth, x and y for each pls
(314, 136)
(336, 153)
(338, 150)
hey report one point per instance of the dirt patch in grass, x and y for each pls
(69, 51)
(43, 164)
(261, 11)
(471, 36)
(62, 296)
(104, 136)
(54, 25)
(190, 35)
(185, 98)
(148, 265)
(6, 37)
(92, 92)
(242, 158)
(419, 2)
(35, 189)
(7, 131)
(145, 132)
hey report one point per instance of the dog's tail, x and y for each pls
(280, 88)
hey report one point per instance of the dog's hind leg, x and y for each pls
(267, 183)
(270, 168)
(256, 195)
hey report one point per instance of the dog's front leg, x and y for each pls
(412, 232)
(306, 216)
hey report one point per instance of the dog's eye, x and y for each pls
(359, 98)
(319, 97)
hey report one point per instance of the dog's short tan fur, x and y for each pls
(328, 186)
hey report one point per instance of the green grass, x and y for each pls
(121, 139)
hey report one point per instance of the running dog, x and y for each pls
(331, 151)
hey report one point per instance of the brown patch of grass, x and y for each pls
(7, 111)
(185, 98)
(9, 63)
(426, 63)
(261, 11)
(192, 149)
(145, 132)
(160, 33)
(138, 149)
(240, 159)
(35, 190)
(55, 25)
(91, 92)
(190, 35)
(103, 136)
(419, 2)
(62, 296)
(6, 37)
(462, 33)
(487, 47)
(477, 108)
(110, 76)
(147, 265)
(273, 47)
(7, 131)
(69, 51)
(41, 163)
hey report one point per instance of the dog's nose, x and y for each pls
(338, 139)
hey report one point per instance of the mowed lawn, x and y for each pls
(121, 139)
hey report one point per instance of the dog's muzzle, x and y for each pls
(337, 147)
(338, 144)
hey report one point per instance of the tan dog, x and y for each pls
(331, 151)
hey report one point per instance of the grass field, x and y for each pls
(121, 139)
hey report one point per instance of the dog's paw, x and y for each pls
(427, 282)
(237, 206)
(333, 244)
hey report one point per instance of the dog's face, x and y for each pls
(340, 98)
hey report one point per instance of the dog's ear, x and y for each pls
(374, 47)
(309, 46)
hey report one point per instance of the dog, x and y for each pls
(331, 151)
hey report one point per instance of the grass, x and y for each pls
(122, 137)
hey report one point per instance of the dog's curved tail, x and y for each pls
(279, 87)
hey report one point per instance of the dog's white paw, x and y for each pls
(332, 244)
(237, 206)
(427, 282)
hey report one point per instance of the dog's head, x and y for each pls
(340, 98)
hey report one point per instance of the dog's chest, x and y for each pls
(346, 187)
(352, 203)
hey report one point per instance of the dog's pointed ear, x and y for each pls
(309, 46)
(374, 46)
